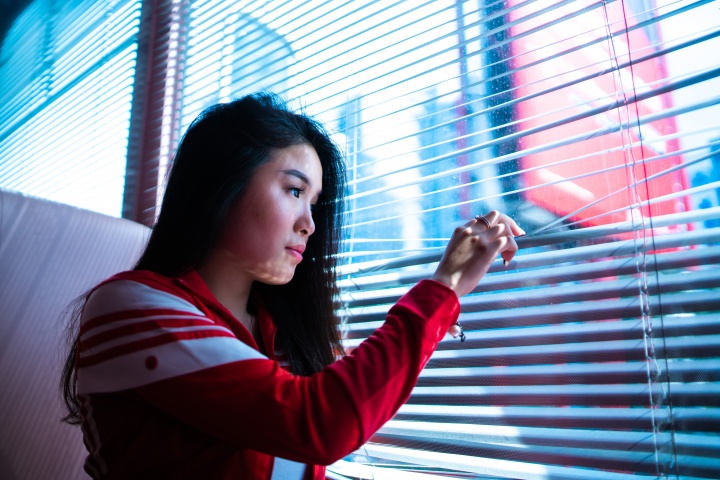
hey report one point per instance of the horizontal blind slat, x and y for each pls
(703, 395)
(707, 419)
(491, 466)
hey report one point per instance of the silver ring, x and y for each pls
(481, 218)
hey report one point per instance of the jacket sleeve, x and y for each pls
(138, 338)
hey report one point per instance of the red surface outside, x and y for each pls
(603, 151)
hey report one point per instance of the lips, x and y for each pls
(298, 248)
(296, 251)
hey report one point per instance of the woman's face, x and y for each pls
(267, 229)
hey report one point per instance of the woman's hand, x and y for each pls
(472, 249)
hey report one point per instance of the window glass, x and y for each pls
(595, 125)
(67, 72)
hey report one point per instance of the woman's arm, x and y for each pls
(148, 340)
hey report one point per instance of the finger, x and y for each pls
(481, 220)
(509, 249)
(490, 222)
(500, 230)
(469, 223)
(516, 230)
(492, 217)
(496, 217)
(514, 227)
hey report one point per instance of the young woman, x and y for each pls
(215, 356)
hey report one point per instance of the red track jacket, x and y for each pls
(173, 386)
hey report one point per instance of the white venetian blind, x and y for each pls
(596, 125)
(66, 81)
(231, 51)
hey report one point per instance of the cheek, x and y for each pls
(237, 233)
(258, 224)
(254, 229)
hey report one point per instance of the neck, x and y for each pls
(231, 289)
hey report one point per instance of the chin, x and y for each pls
(278, 279)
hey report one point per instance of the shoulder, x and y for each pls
(137, 291)
(139, 328)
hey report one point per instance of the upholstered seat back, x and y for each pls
(50, 253)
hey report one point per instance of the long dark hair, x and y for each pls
(216, 158)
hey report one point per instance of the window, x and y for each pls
(595, 124)
(67, 73)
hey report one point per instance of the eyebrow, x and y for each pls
(297, 173)
(300, 175)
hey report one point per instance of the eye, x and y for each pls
(296, 191)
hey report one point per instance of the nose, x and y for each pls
(306, 224)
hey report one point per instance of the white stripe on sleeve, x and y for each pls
(166, 361)
(120, 295)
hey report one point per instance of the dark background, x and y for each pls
(9, 10)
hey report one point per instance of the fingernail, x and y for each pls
(523, 232)
(505, 262)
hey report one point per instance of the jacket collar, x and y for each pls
(193, 281)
